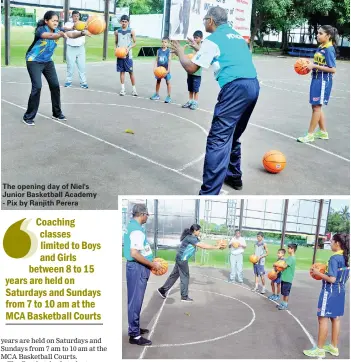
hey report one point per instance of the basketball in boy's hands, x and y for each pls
(160, 72)
(272, 275)
(274, 161)
(253, 259)
(300, 66)
(96, 24)
(280, 265)
(79, 25)
(163, 269)
(121, 52)
(321, 268)
(235, 244)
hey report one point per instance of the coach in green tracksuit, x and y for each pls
(139, 257)
(227, 52)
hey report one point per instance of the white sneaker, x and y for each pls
(122, 92)
(263, 291)
(255, 289)
(134, 93)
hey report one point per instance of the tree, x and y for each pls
(339, 221)
(138, 7)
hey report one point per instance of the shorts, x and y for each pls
(167, 77)
(278, 280)
(125, 65)
(331, 304)
(259, 270)
(320, 90)
(194, 82)
(285, 288)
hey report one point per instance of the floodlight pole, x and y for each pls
(66, 18)
(321, 201)
(241, 214)
(104, 55)
(7, 10)
(285, 216)
(197, 211)
(155, 226)
(166, 17)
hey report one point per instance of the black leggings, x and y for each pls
(181, 269)
(35, 71)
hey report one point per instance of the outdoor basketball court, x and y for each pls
(165, 155)
(228, 320)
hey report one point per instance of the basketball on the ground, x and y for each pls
(253, 259)
(300, 66)
(274, 161)
(321, 268)
(96, 24)
(272, 275)
(163, 269)
(235, 244)
(79, 25)
(160, 72)
(280, 265)
(121, 52)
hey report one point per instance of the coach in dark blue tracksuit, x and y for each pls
(228, 53)
(139, 257)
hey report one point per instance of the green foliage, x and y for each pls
(138, 7)
(339, 221)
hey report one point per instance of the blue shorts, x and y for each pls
(259, 270)
(167, 77)
(285, 288)
(125, 65)
(320, 90)
(278, 280)
(194, 82)
(331, 303)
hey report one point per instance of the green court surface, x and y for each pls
(220, 258)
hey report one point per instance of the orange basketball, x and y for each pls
(253, 259)
(235, 244)
(164, 267)
(96, 24)
(321, 267)
(121, 52)
(272, 275)
(280, 265)
(300, 66)
(274, 161)
(222, 243)
(190, 56)
(160, 72)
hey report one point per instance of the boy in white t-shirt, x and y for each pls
(237, 247)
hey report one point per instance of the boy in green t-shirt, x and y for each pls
(287, 276)
(194, 80)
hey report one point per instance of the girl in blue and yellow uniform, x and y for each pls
(39, 61)
(323, 67)
(331, 301)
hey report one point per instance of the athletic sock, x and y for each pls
(134, 89)
(122, 86)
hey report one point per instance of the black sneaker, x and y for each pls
(144, 331)
(60, 118)
(235, 183)
(28, 122)
(162, 294)
(140, 341)
(186, 299)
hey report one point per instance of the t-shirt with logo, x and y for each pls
(163, 57)
(187, 248)
(336, 268)
(259, 251)
(324, 56)
(135, 238)
(41, 50)
(228, 54)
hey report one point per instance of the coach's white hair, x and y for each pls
(218, 14)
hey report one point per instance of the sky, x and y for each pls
(337, 205)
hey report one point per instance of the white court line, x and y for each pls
(215, 338)
(211, 112)
(192, 163)
(293, 91)
(309, 336)
(154, 326)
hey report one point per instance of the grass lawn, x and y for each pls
(22, 37)
(219, 258)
